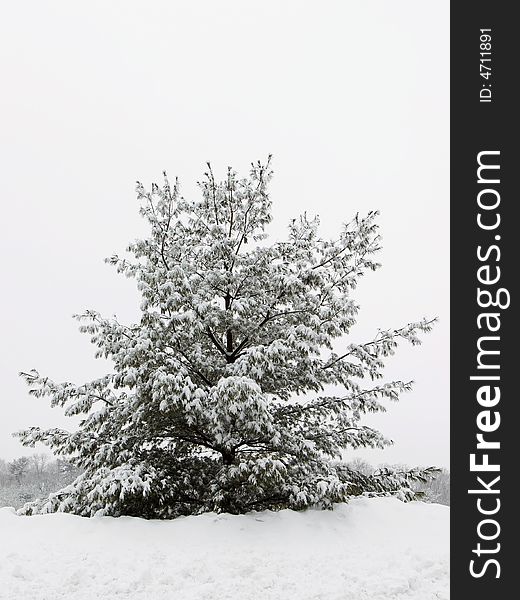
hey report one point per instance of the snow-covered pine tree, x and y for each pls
(217, 400)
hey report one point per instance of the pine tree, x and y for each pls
(218, 398)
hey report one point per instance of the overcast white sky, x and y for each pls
(351, 97)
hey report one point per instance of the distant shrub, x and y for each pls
(27, 478)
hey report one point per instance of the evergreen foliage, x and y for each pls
(220, 395)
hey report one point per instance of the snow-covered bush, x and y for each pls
(218, 399)
(40, 476)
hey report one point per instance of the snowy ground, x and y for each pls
(367, 550)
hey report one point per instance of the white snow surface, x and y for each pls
(369, 549)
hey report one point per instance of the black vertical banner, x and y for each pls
(485, 238)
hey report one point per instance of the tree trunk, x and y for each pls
(228, 457)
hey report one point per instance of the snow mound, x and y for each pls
(369, 549)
